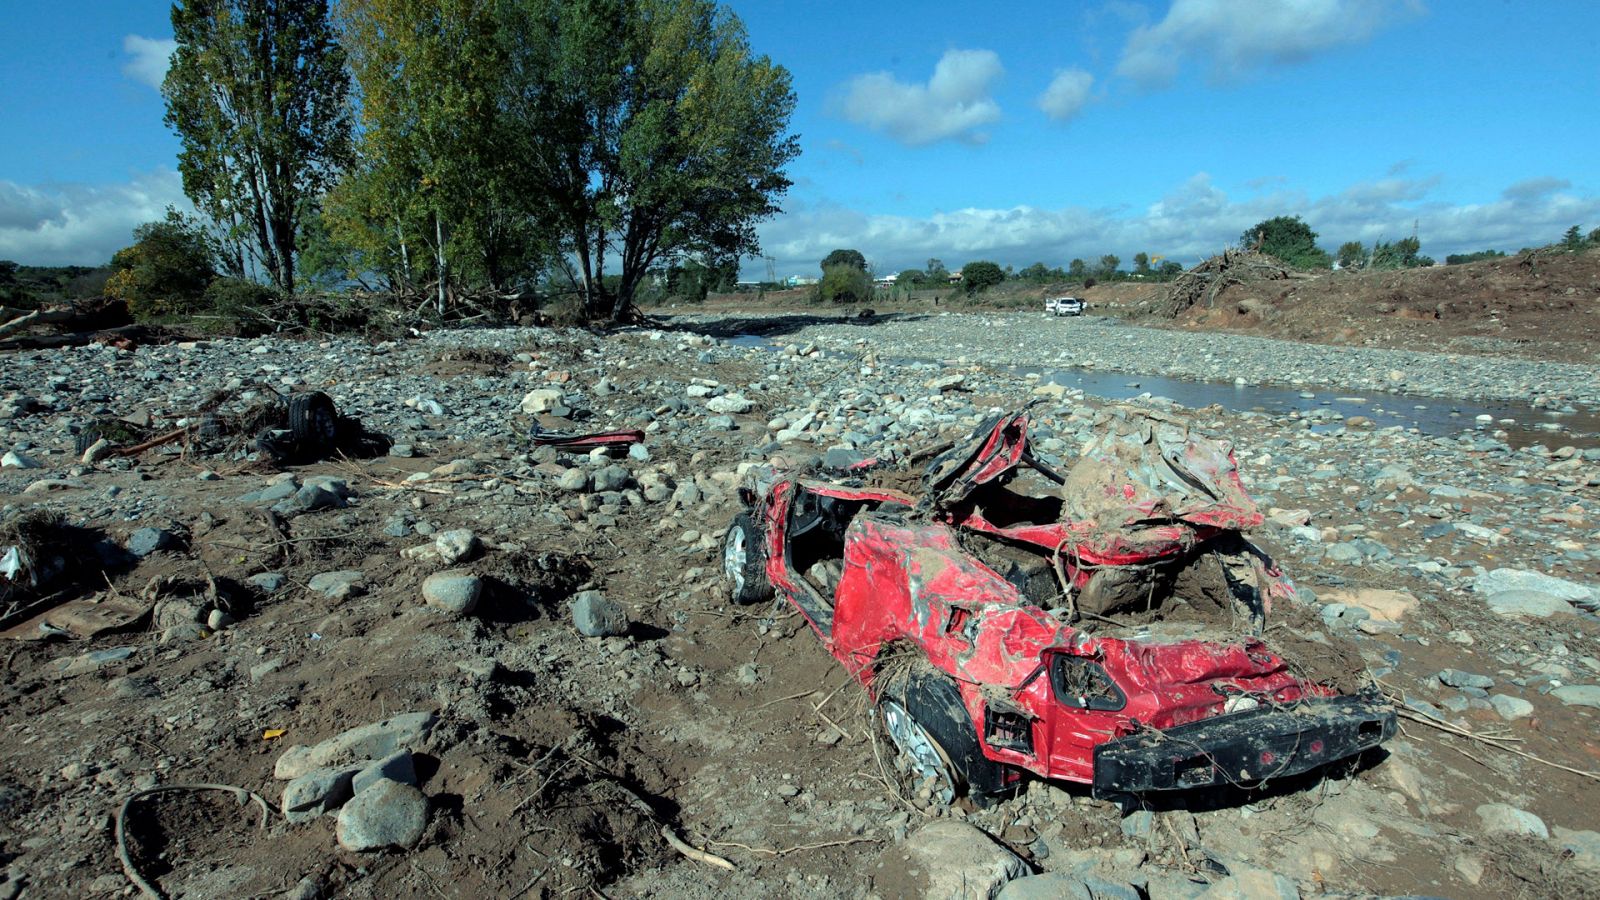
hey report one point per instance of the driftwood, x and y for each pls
(138, 334)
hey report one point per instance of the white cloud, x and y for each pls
(150, 58)
(1193, 220)
(80, 224)
(1067, 94)
(1233, 37)
(954, 104)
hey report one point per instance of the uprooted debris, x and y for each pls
(1201, 285)
(290, 429)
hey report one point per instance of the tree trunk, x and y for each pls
(438, 236)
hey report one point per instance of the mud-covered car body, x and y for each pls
(1047, 688)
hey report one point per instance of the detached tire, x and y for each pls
(744, 562)
(313, 424)
(927, 721)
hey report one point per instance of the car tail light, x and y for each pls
(1083, 683)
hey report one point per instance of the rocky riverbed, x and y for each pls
(1032, 339)
(477, 667)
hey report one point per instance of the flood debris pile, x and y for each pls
(296, 428)
(1203, 284)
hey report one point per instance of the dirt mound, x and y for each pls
(1540, 305)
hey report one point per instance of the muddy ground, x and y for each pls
(557, 759)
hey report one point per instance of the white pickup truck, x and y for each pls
(1063, 306)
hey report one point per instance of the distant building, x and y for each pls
(799, 281)
(955, 277)
(886, 280)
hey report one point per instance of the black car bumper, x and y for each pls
(1243, 748)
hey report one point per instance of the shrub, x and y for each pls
(166, 271)
(980, 274)
(844, 284)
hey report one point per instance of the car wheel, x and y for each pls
(930, 726)
(744, 562)
(313, 423)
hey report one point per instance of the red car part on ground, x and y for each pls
(997, 684)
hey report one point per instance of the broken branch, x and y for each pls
(710, 859)
(131, 870)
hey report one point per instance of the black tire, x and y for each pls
(85, 438)
(933, 701)
(744, 562)
(313, 424)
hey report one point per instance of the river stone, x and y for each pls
(1578, 695)
(573, 480)
(611, 478)
(456, 545)
(146, 541)
(1583, 845)
(1494, 582)
(1458, 679)
(1509, 707)
(1383, 605)
(541, 400)
(386, 814)
(16, 460)
(316, 792)
(954, 859)
(374, 741)
(729, 403)
(595, 615)
(1521, 602)
(399, 766)
(338, 585)
(1500, 818)
(454, 591)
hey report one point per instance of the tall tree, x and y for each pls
(844, 258)
(659, 133)
(443, 194)
(258, 94)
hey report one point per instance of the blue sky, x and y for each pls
(1019, 132)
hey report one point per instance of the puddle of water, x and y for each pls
(1429, 415)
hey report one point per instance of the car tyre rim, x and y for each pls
(734, 556)
(926, 757)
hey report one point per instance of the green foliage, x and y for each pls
(1575, 241)
(844, 284)
(1170, 270)
(1108, 266)
(1077, 270)
(166, 272)
(1039, 273)
(691, 280)
(980, 274)
(1352, 255)
(911, 278)
(1456, 259)
(501, 135)
(236, 305)
(1288, 239)
(29, 287)
(258, 95)
(1141, 263)
(1401, 254)
(844, 258)
(937, 271)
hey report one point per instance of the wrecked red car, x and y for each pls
(1099, 625)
